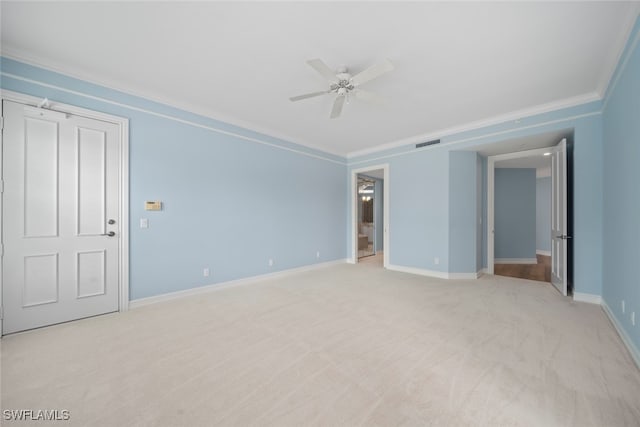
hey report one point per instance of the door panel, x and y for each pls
(559, 217)
(40, 165)
(91, 273)
(40, 280)
(91, 147)
(61, 175)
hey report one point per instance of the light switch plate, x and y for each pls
(144, 223)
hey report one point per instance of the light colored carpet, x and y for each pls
(343, 345)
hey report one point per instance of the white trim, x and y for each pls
(479, 124)
(606, 85)
(541, 252)
(435, 274)
(544, 172)
(515, 261)
(419, 271)
(153, 97)
(633, 350)
(483, 271)
(123, 220)
(491, 160)
(412, 150)
(173, 118)
(512, 116)
(386, 232)
(137, 303)
(616, 78)
(589, 298)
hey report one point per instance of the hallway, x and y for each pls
(540, 271)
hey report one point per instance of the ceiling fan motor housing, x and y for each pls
(344, 84)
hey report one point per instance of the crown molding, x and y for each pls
(479, 124)
(616, 52)
(114, 85)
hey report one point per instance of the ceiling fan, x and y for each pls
(344, 84)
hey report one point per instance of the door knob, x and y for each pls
(110, 234)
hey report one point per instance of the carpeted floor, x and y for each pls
(341, 345)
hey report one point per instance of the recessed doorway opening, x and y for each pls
(370, 215)
(367, 216)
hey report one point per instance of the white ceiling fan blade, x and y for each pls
(323, 69)
(307, 95)
(365, 95)
(337, 106)
(372, 72)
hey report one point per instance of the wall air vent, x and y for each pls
(425, 144)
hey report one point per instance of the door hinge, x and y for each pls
(1, 123)
(1, 249)
(1, 312)
(1, 186)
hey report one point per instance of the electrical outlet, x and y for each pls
(622, 306)
(318, 254)
(270, 262)
(205, 272)
(633, 318)
(436, 261)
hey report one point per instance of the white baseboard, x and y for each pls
(223, 285)
(515, 261)
(590, 298)
(436, 274)
(633, 350)
(419, 271)
(541, 252)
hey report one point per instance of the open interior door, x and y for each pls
(559, 217)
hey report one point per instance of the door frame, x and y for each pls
(123, 179)
(491, 160)
(385, 209)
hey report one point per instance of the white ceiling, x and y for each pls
(456, 63)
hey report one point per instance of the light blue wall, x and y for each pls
(587, 207)
(515, 213)
(621, 231)
(463, 211)
(543, 214)
(419, 222)
(230, 203)
(419, 199)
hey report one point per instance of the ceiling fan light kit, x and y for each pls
(343, 84)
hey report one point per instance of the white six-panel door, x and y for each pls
(61, 202)
(559, 217)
